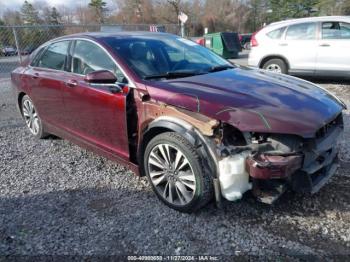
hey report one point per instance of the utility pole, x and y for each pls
(183, 18)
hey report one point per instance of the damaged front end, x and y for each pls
(270, 163)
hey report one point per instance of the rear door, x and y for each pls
(300, 47)
(333, 52)
(94, 113)
(46, 77)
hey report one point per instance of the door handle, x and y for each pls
(283, 44)
(71, 83)
(35, 76)
(325, 45)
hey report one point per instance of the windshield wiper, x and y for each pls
(220, 68)
(173, 74)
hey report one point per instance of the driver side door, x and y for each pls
(94, 113)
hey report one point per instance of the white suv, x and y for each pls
(307, 46)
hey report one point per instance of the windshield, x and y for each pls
(166, 56)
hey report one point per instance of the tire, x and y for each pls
(276, 65)
(32, 119)
(190, 186)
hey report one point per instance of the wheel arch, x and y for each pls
(172, 124)
(19, 101)
(269, 57)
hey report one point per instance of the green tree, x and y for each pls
(258, 10)
(29, 14)
(345, 7)
(3, 34)
(283, 9)
(98, 7)
(54, 17)
(332, 7)
(31, 36)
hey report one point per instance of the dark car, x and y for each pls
(8, 51)
(28, 50)
(245, 40)
(194, 124)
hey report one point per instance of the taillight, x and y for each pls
(253, 41)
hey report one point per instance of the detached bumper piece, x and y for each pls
(263, 166)
(270, 173)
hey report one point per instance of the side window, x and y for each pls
(335, 30)
(277, 33)
(89, 57)
(54, 56)
(36, 56)
(305, 31)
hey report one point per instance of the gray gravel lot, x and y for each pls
(59, 199)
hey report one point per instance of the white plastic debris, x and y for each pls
(233, 177)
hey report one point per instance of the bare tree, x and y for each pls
(68, 15)
(11, 17)
(134, 12)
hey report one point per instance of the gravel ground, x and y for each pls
(59, 199)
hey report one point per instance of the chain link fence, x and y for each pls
(19, 41)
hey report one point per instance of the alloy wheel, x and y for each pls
(274, 68)
(171, 174)
(31, 117)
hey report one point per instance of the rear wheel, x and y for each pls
(276, 65)
(247, 46)
(175, 170)
(32, 118)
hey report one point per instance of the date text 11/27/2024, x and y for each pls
(173, 258)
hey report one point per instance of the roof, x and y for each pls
(279, 24)
(121, 34)
(312, 19)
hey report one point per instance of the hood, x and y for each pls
(252, 100)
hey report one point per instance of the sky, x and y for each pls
(16, 4)
(13, 4)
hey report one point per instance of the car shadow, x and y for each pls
(327, 80)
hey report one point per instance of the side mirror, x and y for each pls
(100, 77)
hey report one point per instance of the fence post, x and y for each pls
(17, 45)
(182, 29)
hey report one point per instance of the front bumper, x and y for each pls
(311, 183)
(306, 172)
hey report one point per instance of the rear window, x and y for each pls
(277, 33)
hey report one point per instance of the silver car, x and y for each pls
(317, 46)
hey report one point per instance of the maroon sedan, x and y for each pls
(168, 108)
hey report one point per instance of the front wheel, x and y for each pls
(276, 65)
(32, 118)
(175, 170)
